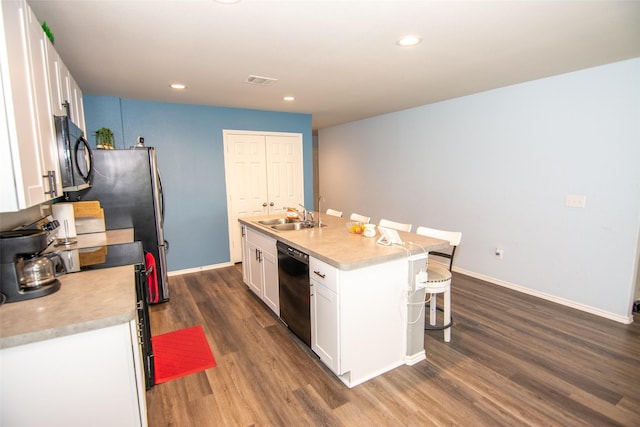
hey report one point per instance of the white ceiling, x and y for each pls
(338, 58)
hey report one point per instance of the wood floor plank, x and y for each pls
(514, 359)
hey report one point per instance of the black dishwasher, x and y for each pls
(293, 276)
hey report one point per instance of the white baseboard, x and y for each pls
(568, 303)
(197, 269)
(415, 358)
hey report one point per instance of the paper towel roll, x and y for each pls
(64, 212)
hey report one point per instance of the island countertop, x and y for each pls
(336, 246)
(86, 301)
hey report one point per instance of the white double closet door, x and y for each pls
(264, 175)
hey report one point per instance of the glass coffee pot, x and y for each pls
(35, 270)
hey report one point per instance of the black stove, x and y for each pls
(106, 256)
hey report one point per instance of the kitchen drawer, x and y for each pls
(323, 273)
(262, 241)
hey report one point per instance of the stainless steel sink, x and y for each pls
(276, 221)
(300, 225)
(290, 226)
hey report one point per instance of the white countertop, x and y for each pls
(86, 301)
(336, 246)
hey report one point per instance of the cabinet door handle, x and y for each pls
(51, 177)
(271, 204)
(317, 273)
(264, 205)
(54, 178)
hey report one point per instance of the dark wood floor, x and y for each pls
(513, 360)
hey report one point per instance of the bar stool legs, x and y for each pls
(446, 293)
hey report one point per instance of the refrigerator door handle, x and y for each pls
(161, 191)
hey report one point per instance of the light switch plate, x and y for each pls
(575, 200)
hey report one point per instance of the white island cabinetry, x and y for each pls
(92, 378)
(325, 334)
(261, 258)
(359, 318)
(360, 293)
(74, 358)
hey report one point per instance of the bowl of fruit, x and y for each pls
(355, 227)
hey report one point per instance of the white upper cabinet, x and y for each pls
(55, 69)
(46, 134)
(65, 90)
(30, 89)
(25, 180)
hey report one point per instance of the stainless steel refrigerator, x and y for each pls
(127, 183)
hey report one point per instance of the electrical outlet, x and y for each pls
(499, 253)
(575, 200)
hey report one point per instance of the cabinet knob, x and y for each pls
(271, 204)
(264, 205)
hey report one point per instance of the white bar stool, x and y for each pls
(439, 279)
(395, 225)
(360, 218)
(439, 282)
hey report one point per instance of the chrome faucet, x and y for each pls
(320, 200)
(306, 214)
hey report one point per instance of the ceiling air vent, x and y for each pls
(261, 81)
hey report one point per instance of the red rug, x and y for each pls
(180, 353)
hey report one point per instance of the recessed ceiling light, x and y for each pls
(178, 86)
(407, 41)
(289, 98)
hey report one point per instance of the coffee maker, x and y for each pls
(26, 272)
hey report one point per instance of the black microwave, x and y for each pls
(74, 155)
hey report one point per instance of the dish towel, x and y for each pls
(152, 278)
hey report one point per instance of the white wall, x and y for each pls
(497, 166)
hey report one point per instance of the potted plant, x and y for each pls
(104, 139)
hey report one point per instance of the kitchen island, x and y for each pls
(367, 317)
(72, 357)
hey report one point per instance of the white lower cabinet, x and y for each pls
(358, 318)
(92, 378)
(243, 246)
(261, 257)
(325, 338)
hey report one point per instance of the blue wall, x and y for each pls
(189, 144)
